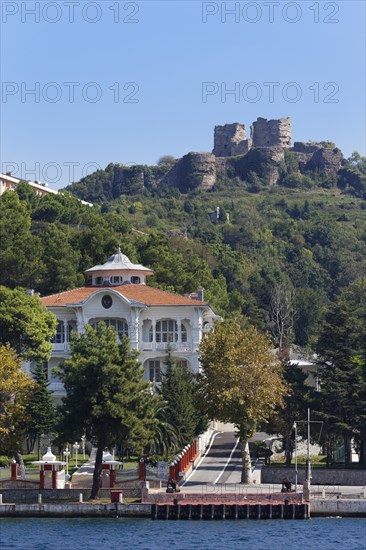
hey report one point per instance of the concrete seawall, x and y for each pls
(319, 508)
(336, 507)
(319, 476)
(76, 510)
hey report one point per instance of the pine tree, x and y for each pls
(106, 396)
(178, 389)
(342, 358)
(296, 402)
(40, 410)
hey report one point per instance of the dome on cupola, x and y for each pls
(118, 270)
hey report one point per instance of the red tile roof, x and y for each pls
(140, 293)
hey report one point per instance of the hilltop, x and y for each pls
(264, 159)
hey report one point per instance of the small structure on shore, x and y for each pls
(51, 471)
(109, 466)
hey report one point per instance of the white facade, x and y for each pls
(154, 320)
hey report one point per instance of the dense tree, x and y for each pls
(296, 402)
(61, 260)
(106, 396)
(310, 306)
(40, 410)
(241, 381)
(15, 392)
(178, 389)
(342, 351)
(20, 251)
(25, 324)
(352, 176)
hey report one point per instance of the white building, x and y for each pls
(9, 183)
(153, 319)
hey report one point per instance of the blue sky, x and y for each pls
(131, 81)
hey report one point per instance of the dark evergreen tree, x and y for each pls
(342, 350)
(20, 251)
(296, 402)
(178, 388)
(40, 410)
(106, 396)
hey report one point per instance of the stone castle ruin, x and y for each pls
(266, 146)
(230, 140)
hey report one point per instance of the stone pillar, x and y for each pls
(112, 477)
(41, 478)
(14, 471)
(54, 477)
(142, 469)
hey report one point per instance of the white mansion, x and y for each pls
(153, 319)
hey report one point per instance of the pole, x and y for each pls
(83, 437)
(295, 426)
(67, 454)
(308, 460)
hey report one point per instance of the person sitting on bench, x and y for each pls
(172, 483)
(286, 485)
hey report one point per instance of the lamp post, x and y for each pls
(66, 455)
(296, 474)
(83, 438)
(308, 465)
(76, 447)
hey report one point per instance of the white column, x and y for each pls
(79, 321)
(65, 334)
(153, 324)
(179, 343)
(133, 329)
(196, 329)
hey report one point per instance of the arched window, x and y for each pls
(119, 325)
(59, 337)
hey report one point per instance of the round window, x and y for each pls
(107, 301)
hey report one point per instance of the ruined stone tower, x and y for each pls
(230, 140)
(271, 133)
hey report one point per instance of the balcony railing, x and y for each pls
(57, 387)
(164, 346)
(63, 346)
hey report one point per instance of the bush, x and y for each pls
(5, 461)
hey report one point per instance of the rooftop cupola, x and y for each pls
(118, 270)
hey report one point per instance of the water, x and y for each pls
(144, 534)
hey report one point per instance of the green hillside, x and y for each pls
(243, 241)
